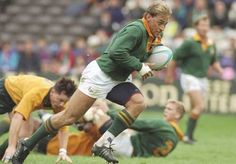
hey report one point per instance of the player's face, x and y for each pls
(58, 101)
(157, 24)
(170, 112)
(203, 27)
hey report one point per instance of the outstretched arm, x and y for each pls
(16, 122)
(63, 140)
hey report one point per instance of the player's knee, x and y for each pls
(137, 101)
(200, 107)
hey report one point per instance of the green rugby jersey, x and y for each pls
(154, 137)
(126, 51)
(193, 59)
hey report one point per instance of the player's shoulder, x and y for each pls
(136, 26)
(190, 40)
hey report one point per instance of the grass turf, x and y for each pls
(216, 135)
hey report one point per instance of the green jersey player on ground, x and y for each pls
(156, 137)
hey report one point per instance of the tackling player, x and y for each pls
(20, 95)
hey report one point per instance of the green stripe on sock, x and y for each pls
(124, 119)
(49, 127)
(128, 115)
(121, 122)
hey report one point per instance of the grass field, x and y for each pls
(216, 135)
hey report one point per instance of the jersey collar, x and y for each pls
(46, 100)
(204, 42)
(179, 132)
(152, 40)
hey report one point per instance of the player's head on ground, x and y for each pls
(157, 16)
(61, 92)
(202, 24)
(174, 110)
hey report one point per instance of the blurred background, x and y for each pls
(53, 38)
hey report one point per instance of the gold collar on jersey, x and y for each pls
(177, 129)
(204, 42)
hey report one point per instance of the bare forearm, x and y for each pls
(15, 126)
(63, 138)
(216, 66)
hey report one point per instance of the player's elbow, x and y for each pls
(164, 155)
(116, 56)
(113, 54)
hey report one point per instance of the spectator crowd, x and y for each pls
(69, 56)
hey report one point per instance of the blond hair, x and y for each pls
(158, 8)
(179, 106)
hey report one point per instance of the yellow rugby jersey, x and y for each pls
(79, 143)
(28, 92)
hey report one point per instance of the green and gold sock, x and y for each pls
(122, 121)
(44, 130)
(192, 122)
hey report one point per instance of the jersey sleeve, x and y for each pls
(124, 43)
(28, 103)
(164, 148)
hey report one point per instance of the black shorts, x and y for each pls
(121, 93)
(6, 102)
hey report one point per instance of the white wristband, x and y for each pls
(145, 69)
(62, 151)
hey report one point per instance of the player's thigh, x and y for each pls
(78, 104)
(196, 98)
(189, 83)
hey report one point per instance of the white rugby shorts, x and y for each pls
(95, 83)
(192, 83)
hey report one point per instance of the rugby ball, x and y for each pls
(161, 56)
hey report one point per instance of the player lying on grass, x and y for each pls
(145, 138)
(20, 95)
